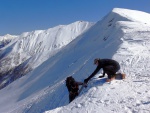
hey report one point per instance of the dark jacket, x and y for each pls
(102, 64)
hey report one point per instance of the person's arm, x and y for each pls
(79, 83)
(93, 74)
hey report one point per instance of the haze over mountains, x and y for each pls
(123, 35)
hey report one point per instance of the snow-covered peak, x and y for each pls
(79, 24)
(51, 39)
(133, 15)
(6, 39)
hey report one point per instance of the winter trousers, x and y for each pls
(72, 96)
(110, 71)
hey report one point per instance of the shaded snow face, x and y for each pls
(118, 36)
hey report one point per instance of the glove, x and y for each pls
(100, 76)
(86, 80)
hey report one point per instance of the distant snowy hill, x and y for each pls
(31, 49)
(6, 39)
(122, 35)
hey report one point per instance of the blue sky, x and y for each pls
(18, 16)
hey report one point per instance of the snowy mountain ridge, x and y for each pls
(6, 39)
(115, 36)
(127, 41)
(136, 16)
(30, 49)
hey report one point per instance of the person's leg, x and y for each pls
(72, 97)
(110, 71)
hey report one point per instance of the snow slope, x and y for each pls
(131, 95)
(119, 36)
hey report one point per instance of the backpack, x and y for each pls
(72, 85)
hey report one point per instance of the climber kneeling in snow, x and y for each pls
(73, 87)
(109, 66)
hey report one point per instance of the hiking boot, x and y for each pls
(123, 76)
(109, 80)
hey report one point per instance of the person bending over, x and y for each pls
(109, 66)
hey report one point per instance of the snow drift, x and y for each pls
(120, 35)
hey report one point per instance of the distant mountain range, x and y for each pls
(21, 54)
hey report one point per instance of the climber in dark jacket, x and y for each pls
(73, 87)
(109, 66)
